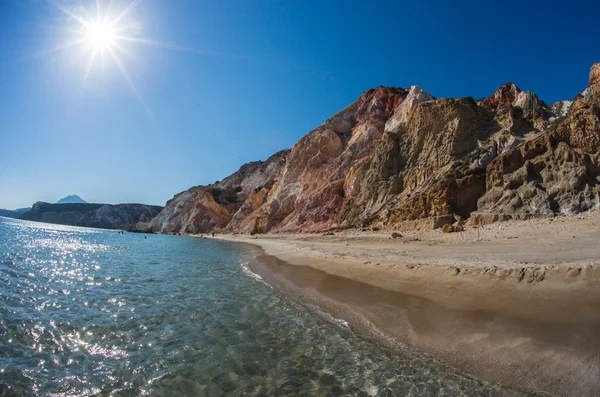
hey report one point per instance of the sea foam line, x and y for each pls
(337, 321)
(251, 274)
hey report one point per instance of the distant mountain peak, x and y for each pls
(71, 199)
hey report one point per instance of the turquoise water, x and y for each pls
(89, 312)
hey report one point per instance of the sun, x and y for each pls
(104, 33)
(100, 35)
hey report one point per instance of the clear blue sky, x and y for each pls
(235, 81)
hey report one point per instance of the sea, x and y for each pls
(89, 312)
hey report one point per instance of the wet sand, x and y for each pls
(524, 312)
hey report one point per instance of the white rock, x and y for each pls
(415, 96)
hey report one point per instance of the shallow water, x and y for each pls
(92, 312)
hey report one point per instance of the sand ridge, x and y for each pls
(550, 261)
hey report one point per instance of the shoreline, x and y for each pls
(485, 306)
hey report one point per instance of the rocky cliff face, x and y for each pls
(557, 171)
(204, 209)
(104, 216)
(404, 159)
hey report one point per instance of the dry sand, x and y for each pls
(514, 302)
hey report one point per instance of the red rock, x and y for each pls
(402, 159)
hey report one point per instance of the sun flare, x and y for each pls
(102, 31)
(99, 35)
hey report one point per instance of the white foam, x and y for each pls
(251, 274)
(415, 96)
(337, 321)
(341, 322)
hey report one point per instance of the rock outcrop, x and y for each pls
(402, 158)
(104, 216)
(561, 108)
(557, 171)
(203, 209)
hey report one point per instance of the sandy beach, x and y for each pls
(514, 302)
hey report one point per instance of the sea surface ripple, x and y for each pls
(86, 312)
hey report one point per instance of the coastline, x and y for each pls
(516, 303)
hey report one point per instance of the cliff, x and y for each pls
(202, 209)
(557, 172)
(105, 216)
(402, 158)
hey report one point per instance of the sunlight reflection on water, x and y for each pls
(88, 312)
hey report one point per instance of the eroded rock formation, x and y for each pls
(402, 158)
(555, 172)
(203, 209)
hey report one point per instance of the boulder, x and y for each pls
(448, 228)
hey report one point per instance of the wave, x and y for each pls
(251, 274)
(328, 317)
